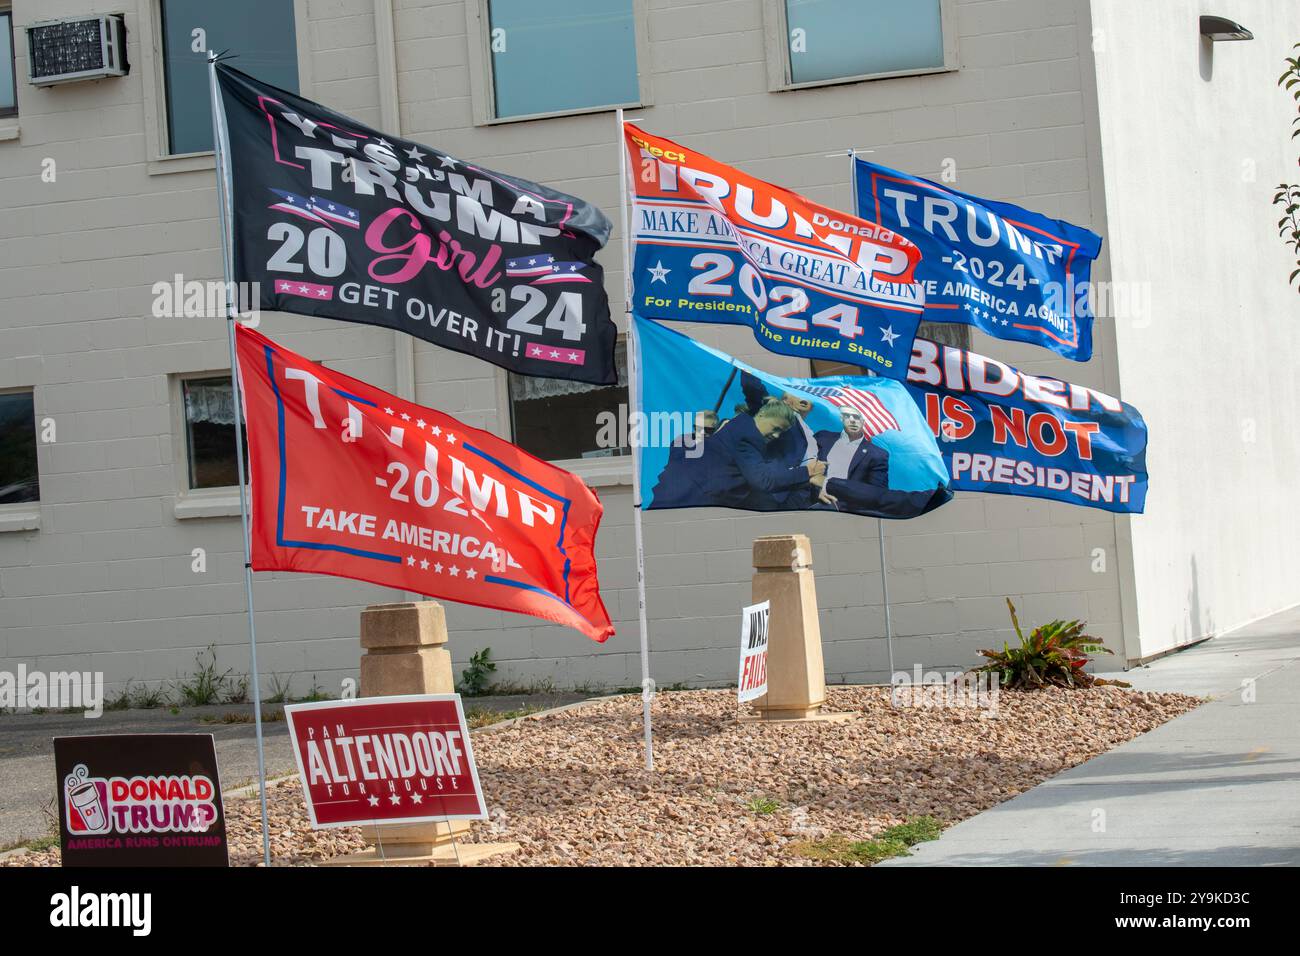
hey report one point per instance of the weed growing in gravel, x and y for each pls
(206, 686)
(280, 688)
(477, 677)
(895, 841)
(316, 693)
(149, 698)
(763, 806)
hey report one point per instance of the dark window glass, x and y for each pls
(556, 419)
(210, 432)
(8, 78)
(260, 32)
(19, 480)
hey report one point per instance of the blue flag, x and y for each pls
(1005, 270)
(1008, 432)
(715, 432)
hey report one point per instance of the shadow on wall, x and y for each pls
(1200, 622)
(1206, 57)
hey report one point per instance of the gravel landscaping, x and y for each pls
(571, 787)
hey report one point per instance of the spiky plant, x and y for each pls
(1054, 654)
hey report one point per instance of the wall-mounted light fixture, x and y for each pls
(1221, 28)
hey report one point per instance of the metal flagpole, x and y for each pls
(223, 219)
(634, 397)
(880, 523)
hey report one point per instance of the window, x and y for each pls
(828, 41)
(562, 56)
(8, 74)
(558, 420)
(261, 32)
(210, 432)
(19, 480)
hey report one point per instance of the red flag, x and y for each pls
(352, 481)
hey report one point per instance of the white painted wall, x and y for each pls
(105, 582)
(1195, 136)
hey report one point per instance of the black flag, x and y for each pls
(335, 219)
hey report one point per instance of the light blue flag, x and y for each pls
(715, 432)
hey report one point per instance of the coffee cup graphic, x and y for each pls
(87, 797)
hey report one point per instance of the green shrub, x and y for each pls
(1053, 654)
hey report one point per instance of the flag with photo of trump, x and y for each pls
(718, 433)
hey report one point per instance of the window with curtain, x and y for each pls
(556, 419)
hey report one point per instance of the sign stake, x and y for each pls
(223, 200)
(634, 397)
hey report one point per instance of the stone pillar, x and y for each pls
(796, 678)
(404, 650)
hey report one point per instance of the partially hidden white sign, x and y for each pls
(753, 651)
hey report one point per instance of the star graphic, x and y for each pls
(405, 417)
(455, 571)
(437, 568)
(659, 273)
(451, 439)
(573, 356)
(424, 565)
(395, 800)
(388, 411)
(416, 798)
(554, 354)
(303, 288)
(373, 801)
(435, 430)
(284, 287)
(888, 334)
(415, 154)
(384, 142)
(447, 162)
(321, 292)
(410, 560)
(420, 423)
(471, 574)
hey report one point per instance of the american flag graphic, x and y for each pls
(532, 266)
(295, 205)
(544, 270)
(876, 418)
(335, 212)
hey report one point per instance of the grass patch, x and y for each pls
(477, 717)
(896, 841)
(41, 843)
(763, 806)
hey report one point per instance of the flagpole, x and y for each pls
(634, 397)
(223, 198)
(880, 522)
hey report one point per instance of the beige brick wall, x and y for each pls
(106, 581)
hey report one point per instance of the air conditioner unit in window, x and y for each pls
(80, 48)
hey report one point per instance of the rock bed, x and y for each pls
(571, 788)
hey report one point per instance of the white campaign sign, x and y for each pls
(753, 651)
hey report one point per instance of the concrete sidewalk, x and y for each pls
(1219, 786)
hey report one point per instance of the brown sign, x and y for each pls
(140, 800)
